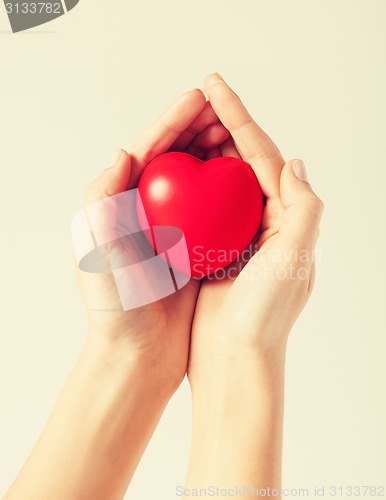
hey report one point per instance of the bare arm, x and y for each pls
(99, 428)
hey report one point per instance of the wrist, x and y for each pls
(237, 391)
(118, 358)
(231, 366)
(239, 407)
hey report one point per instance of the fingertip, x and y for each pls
(292, 167)
(118, 158)
(213, 77)
(197, 95)
(296, 173)
(114, 159)
(193, 99)
(194, 90)
(112, 180)
(125, 156)
(212, 80)
(289, 179)
(295, 188)
(299, 170)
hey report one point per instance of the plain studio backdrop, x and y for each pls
(74, 90)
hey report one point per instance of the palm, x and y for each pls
(226, 302)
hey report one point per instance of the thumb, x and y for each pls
(112, 180)
(106, 210)
(303, 208)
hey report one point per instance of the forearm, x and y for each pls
(98, 430)
(238, 423)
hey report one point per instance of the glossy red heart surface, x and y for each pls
(217, 204)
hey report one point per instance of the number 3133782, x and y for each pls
(357, 491)
(34, 8)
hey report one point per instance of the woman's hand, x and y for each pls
(244, 314)
(158, 332)
(133, 360)
(253, 303)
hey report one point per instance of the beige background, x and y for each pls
(71, 92)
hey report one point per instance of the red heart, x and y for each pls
(218, 204)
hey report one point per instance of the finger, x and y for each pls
(113, 180)
(303, 208)
(253, 143)
(158, 138)
(200, 123)
(214, 153)
(211, 137)
(228, 148)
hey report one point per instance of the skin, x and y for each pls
(242, 322)
(229, 335)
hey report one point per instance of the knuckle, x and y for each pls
(310, 206)
(217, 88)
(317, 206)
(144, 156)
(170, 126)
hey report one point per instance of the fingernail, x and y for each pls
(220, 76)
(300, 170)
(115, 158)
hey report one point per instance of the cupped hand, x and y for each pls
(159, 331)
(251, 305)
